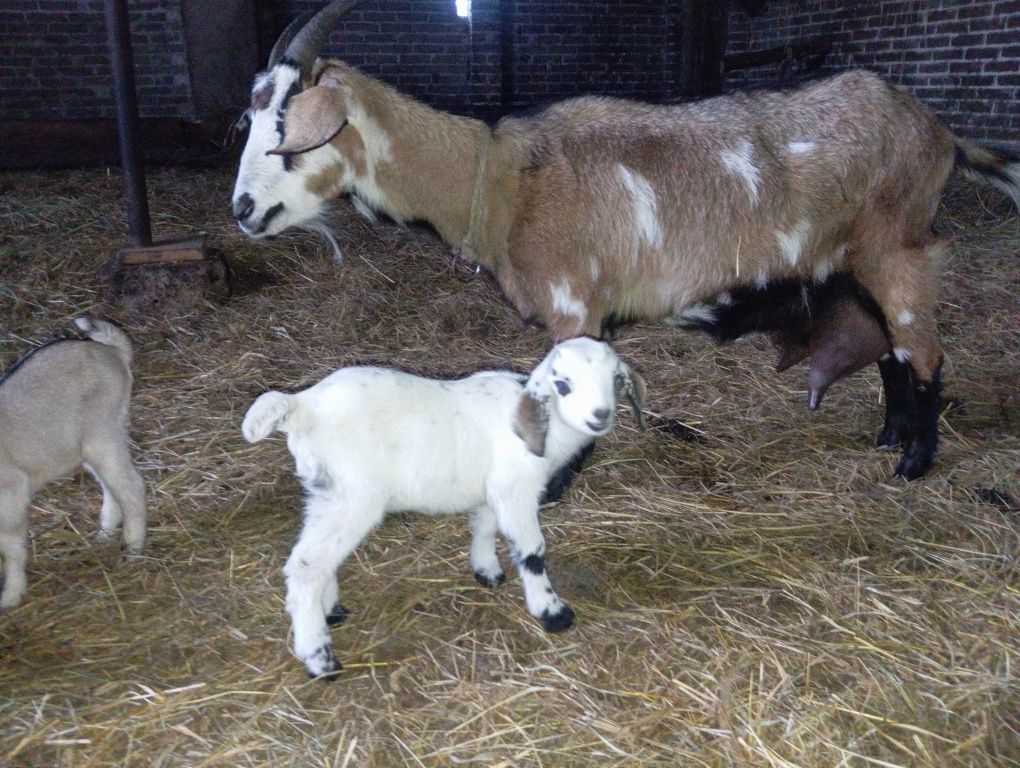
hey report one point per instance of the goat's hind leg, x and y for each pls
(330, 534)
(336, 612)
(14, 498)
(904, 286)
(109, 461)
(900, 405)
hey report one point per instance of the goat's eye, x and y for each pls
(562, 387)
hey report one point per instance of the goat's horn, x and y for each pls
(309, 41)
(287, 35)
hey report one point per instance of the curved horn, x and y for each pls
(287, 35)
(308, 42)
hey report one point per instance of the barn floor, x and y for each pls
(751, 587)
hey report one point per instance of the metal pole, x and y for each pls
(118, 38)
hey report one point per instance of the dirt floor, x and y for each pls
(751, 587)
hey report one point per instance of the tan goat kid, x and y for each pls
(597, 209)
(63, 405)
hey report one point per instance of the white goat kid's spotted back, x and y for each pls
(368, 441)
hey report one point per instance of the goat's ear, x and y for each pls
(632, 386)
(531, 422)
(237, 129)
(312, 118)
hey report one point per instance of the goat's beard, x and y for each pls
(321, 225)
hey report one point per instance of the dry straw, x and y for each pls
(751, 587)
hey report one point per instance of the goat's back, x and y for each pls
(58, 398)
(422, 444)
(663, 205)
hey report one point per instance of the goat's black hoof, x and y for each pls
(916, 462)
(322, 665)
(490, 581)
(337, 615)
(328, 676)
(559, 621)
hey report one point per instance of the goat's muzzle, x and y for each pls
(243, 207)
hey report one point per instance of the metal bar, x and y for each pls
(118, 37)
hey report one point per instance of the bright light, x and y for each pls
(463, 8)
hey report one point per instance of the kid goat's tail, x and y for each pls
(266, 414)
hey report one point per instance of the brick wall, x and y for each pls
(54, 63)
(561, 48)
(960, 57)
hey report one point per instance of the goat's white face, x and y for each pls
(272, 192)
(582, 376)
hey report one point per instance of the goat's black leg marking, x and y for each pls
(919, 455)
(534, 564)
(900, 404)
(560, 482)
(488, 581)
(337, 615)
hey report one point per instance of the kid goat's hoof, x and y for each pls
(489, 581)
(559, 621)
(322, 665)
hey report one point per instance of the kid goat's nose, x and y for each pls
(243, 206)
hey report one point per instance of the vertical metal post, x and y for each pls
(507, 21)
(118, 38)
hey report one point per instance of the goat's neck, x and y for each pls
(563, 443)
(422, 163)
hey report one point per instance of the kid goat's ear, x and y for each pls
(632, 386)
(531, 422)
(312, 118)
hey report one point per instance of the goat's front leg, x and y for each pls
(486, 566)
(14, 499)
(331, 532)
(517, 517)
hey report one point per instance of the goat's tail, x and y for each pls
(106, 333)
(999, 167)
(266, 414)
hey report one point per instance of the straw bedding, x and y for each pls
(751, 587)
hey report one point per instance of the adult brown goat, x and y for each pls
(597, 209)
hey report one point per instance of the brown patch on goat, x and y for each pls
(531, 423)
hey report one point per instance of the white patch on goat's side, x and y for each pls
(762, 280)
(724, 299)
(564, 301)
(741, 162)
(378, 149)
(792, 243)
(906, 317)
(903, 355)
(825, 268)
(646, 205)
(593, 268)
(801, 147)
(698, 313)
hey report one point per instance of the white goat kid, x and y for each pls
(64, 405)
(367, 441)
